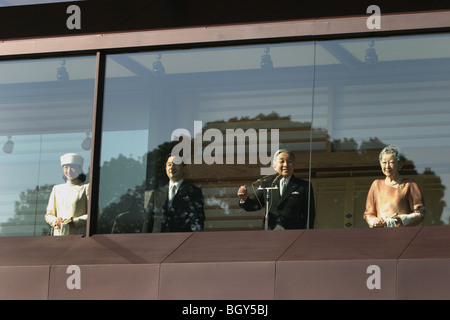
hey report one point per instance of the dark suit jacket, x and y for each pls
(290, 211)
(185, 213)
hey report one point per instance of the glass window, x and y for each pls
(225, 110)
(370, 93)
(45, 112)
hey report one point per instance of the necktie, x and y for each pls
(282, 186)
(172, 191)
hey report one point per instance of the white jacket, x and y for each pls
(68, 200)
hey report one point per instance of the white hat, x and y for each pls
(72, 158)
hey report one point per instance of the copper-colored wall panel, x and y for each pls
(424, 279)
(234, 246)
(430, 243)
(336, 264)
(109, 281)
(302, 28)
(413, 263)
(217, 280)
(123, 266)
(350, 244)
(424, 267)
(225, 265)
(333, 279)
(25, 264)
(31, 251)
(24, 282)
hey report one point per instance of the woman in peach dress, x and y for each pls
(394, 201)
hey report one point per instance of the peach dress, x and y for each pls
(383, 200)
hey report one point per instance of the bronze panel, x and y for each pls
(333, 279)
(290, 28)
(234, 246)
(121, 266)
(24, 282)
(109, 281)
(293, 264)
(24, 265)
(225, 265)
(424, 267)
(336, 264)
(217, 280)
(350, 244)
(122, 249)
(30, 251)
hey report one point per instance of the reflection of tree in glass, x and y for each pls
(341, 158)
(124, 212)
(29, 212)
(125, 215)
(118, 174)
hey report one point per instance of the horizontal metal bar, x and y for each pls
(328, 27)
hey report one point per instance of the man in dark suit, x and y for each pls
(290, 204)
(177, 206)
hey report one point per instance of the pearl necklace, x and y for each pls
(394, 183)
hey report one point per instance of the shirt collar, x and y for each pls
(286, 179)
(176, 184)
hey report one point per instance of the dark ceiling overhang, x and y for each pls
(99, 16)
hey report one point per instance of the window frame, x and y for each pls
(203, 37)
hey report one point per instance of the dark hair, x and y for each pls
(170, 155)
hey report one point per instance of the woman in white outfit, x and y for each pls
(68, 203)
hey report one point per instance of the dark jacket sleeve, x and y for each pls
(254, 203)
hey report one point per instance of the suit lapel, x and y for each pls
(291, 186)
(161, 196)
(179, 193)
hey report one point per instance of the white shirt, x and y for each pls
(176, 185)
(68, 200)
(284, 181)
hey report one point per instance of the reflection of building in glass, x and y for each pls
(341, 177)
(336, 102)
(354, 109)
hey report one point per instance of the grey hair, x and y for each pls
(275, 156)
(395, 150)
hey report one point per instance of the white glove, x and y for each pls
(390, 222)
(410, 218)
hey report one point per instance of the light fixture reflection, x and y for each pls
(371, 54)
(266, 60)
(8, 147)
(61, 72)
(158, 68)
(86, 144)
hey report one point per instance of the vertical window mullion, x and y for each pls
(94, 175)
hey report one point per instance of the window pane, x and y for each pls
(43, 115)
(201, 102)
(374, 92)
